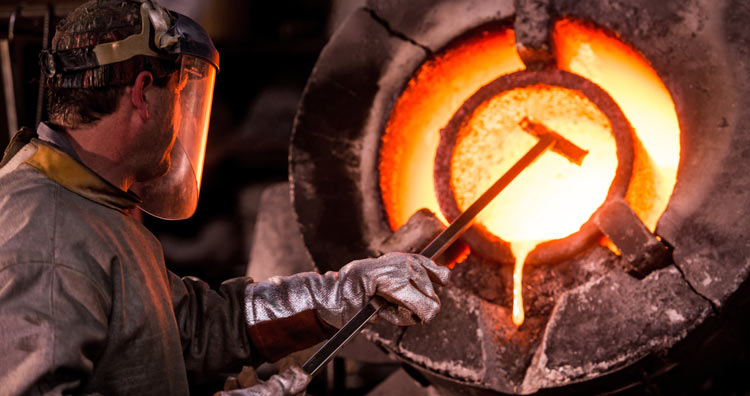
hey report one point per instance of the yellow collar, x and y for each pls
(76, 177)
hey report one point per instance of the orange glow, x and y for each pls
(588, 51)
(435, 92)
(553, 197)
(206, 113)
(552, 187)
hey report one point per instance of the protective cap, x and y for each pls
(107, 43)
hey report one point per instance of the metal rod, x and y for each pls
(12, 22)
(433, 250)
(42, 80)
(9, 92)
(345, 333)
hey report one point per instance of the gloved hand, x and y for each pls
(403, 280)
(290, 382)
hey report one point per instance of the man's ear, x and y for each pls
(143, 82)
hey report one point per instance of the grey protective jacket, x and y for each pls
(87, 305)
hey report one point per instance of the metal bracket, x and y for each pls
(532, 31)
(641, 251)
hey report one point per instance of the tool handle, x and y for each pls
(349, 330)
(433, 250)
(463, 221)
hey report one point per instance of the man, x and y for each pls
(86, 303)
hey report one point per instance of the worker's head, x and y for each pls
(159, 64)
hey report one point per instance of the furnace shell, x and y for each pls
(609, 330)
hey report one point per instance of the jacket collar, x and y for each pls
(59, 162)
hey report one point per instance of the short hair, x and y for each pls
(76, 107)
(83, 97)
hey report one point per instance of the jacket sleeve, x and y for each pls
(215, 334)
(53, 328)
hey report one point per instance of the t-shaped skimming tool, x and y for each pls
(547, 139)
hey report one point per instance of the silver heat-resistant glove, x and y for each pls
(287, 383)
(403, 280)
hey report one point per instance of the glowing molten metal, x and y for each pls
(552, 198)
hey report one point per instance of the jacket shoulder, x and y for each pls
(44, 222)
(27, 206)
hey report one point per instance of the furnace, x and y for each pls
(635, 251)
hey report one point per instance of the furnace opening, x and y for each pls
(443, 83)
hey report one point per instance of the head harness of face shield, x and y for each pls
(92, 50)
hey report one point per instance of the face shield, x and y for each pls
(174, 195)
(167, 36)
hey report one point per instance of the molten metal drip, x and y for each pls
(520, 251)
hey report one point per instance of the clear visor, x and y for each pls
(174, 196)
